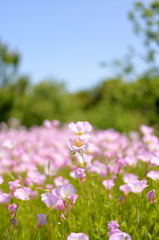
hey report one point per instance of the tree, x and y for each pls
(9, 62)
(145, 21)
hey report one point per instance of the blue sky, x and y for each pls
(67, 39)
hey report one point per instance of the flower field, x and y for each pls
(74, 182)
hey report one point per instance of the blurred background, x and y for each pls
(81, 60)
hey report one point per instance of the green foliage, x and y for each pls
(112, 104)
(145, 19)
(9, 61)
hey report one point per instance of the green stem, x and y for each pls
(91, 190)
(88, 208)
(157, 210)
(137, 215)
(36, 234)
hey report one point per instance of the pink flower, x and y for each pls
(56, 123)
(155, 161)
(49, 186)
(80, 128)
(121, 163)
(9, 144)
(28, 182)
(65, 191)
(130, 177)
(146, 130)
(78, 143)
(150, 139)
(73, 198)
(22, 193)
(47, 124)
(50, 200)
(5, 198)
(33, 194)
(14, 185)
(1, 179)
(137, 186)
(121, 198)
(77, 236)
(41, 220)
(124, 188)
(60, 181)
(108, 184)
(99, 168)
(115, 230)
(144, 156)
(12, 209)
(152, 196)
(113, 225)
(64, 206)
(40, 179)
(153, 175)
(60, 205)
(120, 236)
(79, 173)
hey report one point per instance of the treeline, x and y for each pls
(112, 104)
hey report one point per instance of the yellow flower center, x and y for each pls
(78, 143)
(79, 133)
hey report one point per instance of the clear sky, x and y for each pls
(67, 39)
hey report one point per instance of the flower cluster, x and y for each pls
(116, 234)
(34, 162)
(61, 198)
(80, 141)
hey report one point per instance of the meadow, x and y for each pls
(75, 182)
